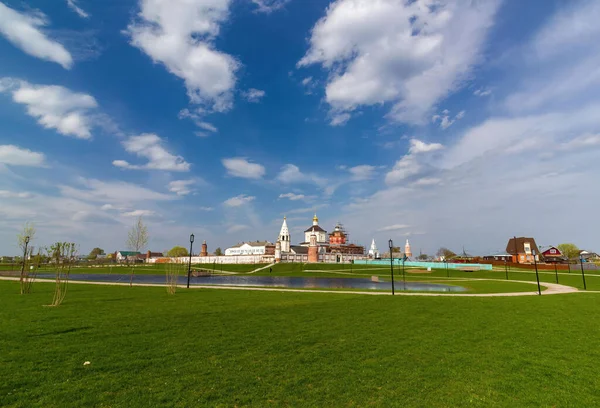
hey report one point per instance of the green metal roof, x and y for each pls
(129, 253)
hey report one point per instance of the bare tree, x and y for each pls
(62, 255)
(28, 231)
(23, 241)
(137, 239)
(172, 272)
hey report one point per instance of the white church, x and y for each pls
(329, 247)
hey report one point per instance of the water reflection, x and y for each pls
(273, 281)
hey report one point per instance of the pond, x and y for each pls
(271, 281)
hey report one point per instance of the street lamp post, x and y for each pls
(190, 262)
(447, 270)
(391, 245)
(24, 259)
(537, 275)
(582, 273)
(403, 271)
(506, 268)
(556, 271)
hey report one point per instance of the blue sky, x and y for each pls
(450, 123)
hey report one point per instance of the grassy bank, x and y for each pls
(238, 348)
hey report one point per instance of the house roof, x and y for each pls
(253, 244)
(128, 253)
(159, 254)
(519, 246)
(552, 252)
(316, 228)
(301, 250)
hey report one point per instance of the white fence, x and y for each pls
(239, 259)
(259, 259)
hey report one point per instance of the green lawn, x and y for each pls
(459, 278)
(147, 269)
(573, 279)
(221, 348)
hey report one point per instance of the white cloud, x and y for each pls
(561, 64)
(253, 95)
(362, 172)
(444, 118)
(410, 54)
(73, 6)
(237, 228)
(268, 6)
(197, 117)
(417, 146)
(413, 165)
(291, 174)
(238, 201)
(180, 34)
(149, 146)
(16, 156)
(240, 167)
(314, 208)
(482, 92)
(13, 194)
(55, 107)
(340, 119)
(309, 85)
(116, 193)
(24, 31)
(394, 227)
(138, 213)
(292, 196)
(584, 141)
(404, 168)
(427, 181)
(307, 81)
(500, 134)
(574, 26)
(205, 208)
(181, 187)
(207, 126)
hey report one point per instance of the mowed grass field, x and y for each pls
(438, 275)
(142, 268)
(222, 348)
(474, 282)
(325, 271)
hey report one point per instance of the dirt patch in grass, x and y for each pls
(419, 271)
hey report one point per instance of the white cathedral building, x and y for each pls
(319, 232)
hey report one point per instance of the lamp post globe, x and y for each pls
(192, 239)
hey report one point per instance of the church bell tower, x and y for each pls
(284, 237)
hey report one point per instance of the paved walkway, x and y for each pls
(551, 289)
(260, 269)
